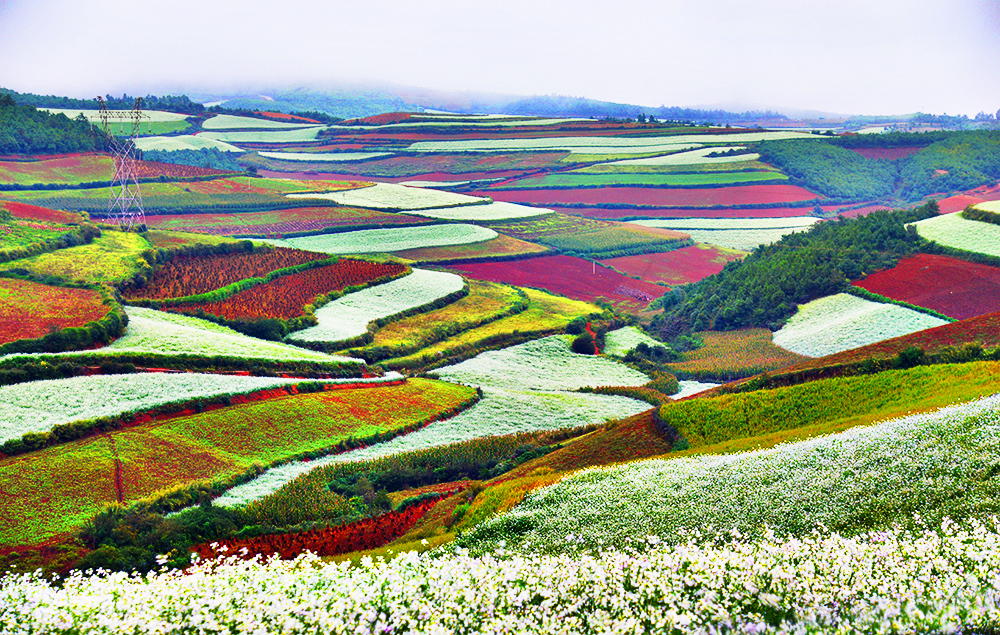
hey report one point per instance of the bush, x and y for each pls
(584, 345)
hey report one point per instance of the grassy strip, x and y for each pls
(865, 294)
(435, 326)
(87, 185)
(650, 180)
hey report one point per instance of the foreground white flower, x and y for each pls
(937, 580)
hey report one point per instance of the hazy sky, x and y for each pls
(851, 56)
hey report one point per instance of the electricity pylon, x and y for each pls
(125, 201)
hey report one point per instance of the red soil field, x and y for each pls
(281, 116)
(888, 154)
(285, 297)
(191, 275)
(954, 287)
(680, 266)
(29, 310)
(24, 211)
(688, 212)
(276, 223)
(957, 203)
(658, 197)
(863, 211)
(572, 277)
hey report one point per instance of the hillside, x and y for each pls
(470, 355)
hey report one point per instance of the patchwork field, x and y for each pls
(591, 237)
(114, 257)
(956, 288)
(389, 196)
(680, 266)
(276, 223)
(486, 302)
(162, 454)
(392, 239)
(840, 322)
(744, 234)
(573, 277)
(720, 212)
(29, 310)
(639, 179)
(348, 316)
(192, 275)
(659, 197)
(287, 296)
(497, 248)
(545, 314)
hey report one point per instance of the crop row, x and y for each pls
(280, 223)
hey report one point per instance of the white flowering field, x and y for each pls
(391, 196)
(951, 230)
(230, 122)
(491, 212)
(322, 156)
(542, 364)
(183, 142)
(151, 331)
(989, 206)
(689, 387)
(391, 239)
(441, 184)
(265, 136)
(841, 322)
(620, 341)
(37, 406)
(693, 157)
(845, 482)
(745, 234)
(937, 580)
(348, 316)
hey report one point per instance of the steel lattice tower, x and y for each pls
(125, 201)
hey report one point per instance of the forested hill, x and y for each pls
(945, 162)
(765, 288)
(171, 103)
(26, 130)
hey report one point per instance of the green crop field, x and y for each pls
(80, 475)
(545, 313)
(486, 302)
(732, 423)
(576, 180)
(113, 257)
(728, 355)
(750, 167)
(19, 233)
